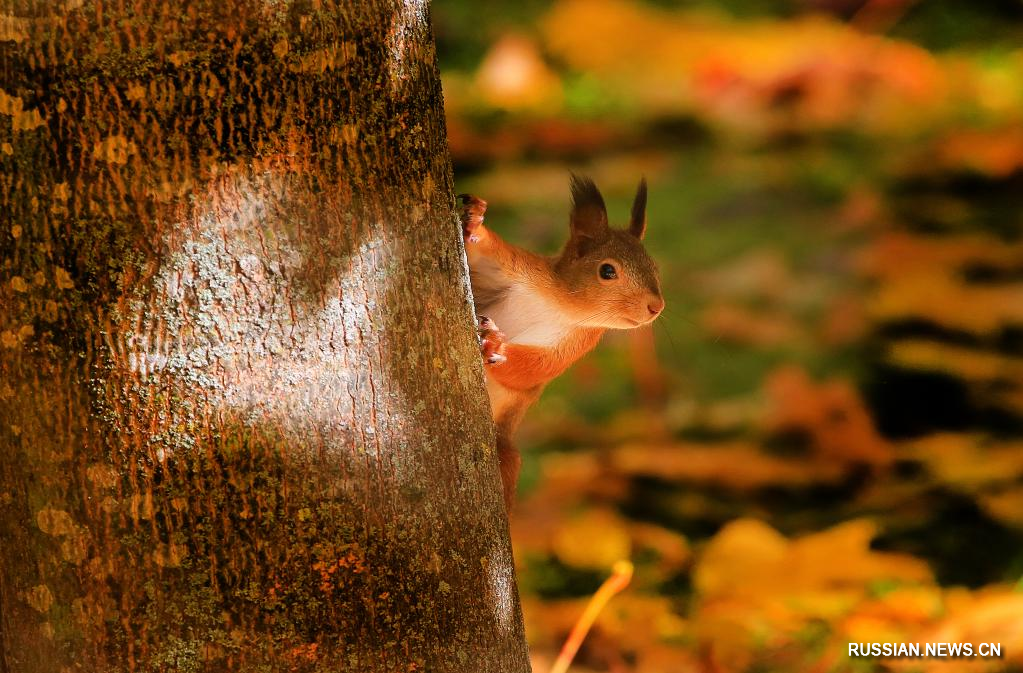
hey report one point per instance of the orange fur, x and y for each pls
(527, 369)
(510, 258)
(544, 313)
(530, 366)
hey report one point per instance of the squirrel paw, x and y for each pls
(471, 214)
(491, 341)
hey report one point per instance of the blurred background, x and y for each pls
(821, 441)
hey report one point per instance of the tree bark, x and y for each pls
(242, 416)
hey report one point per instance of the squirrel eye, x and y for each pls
(608, 272)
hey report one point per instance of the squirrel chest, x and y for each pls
(545, 339)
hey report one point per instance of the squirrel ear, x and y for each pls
(589, 215)
(637, 223)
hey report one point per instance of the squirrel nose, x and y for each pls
(655, 306)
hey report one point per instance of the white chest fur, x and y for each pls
(527, 317)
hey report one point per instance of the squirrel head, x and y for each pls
(611, 280)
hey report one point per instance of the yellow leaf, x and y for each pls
(968, 463)
(1006, 506)
(594, 540)
(746, 552)
(734, 465)
(831, 413)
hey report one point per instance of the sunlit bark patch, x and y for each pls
(501, 584)
(404, 41)
(217, 327)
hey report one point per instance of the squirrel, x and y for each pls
(553, 310)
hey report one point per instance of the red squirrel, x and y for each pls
(553, 310)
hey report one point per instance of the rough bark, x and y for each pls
(242, 421)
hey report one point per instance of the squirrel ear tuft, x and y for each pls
(637, 223)
(589, 215)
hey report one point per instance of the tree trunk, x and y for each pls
(242, 416)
